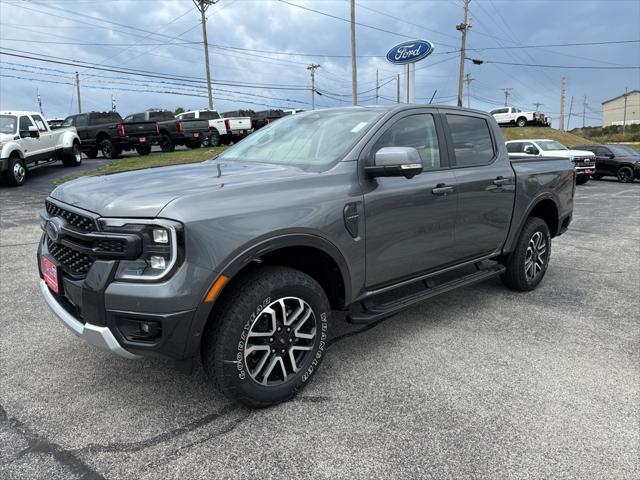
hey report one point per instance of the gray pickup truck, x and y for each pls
(242, 259)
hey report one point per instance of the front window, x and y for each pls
(68, 122)
(40, 123)
(8, 124)
(622, 151)
(550, 145)
(313, 141)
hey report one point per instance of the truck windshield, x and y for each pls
(312, 141)
(550, 145)
(8, 124)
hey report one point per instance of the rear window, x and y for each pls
(159, 116)
(471, 140)
(100, 118)
(514, 147)
(208, 115)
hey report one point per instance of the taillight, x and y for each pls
(227, 126)
(121, 132)
(157, 129)
(534, 114)
(179, 128)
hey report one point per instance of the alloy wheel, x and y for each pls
(535, 256)
(19, 172)
(279, 341)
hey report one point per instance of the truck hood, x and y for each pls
(144, 193)
(567, 153)
(6, 137)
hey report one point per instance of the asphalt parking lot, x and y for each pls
(479, 383)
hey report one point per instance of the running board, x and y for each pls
(372, 312)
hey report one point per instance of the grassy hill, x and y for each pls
(565, 138)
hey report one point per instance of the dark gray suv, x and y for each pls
(242, 259)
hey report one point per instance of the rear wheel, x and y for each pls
(521, 122)
(527, 264)
(166, 144)
(214, 139)
(17, 172)
(269, 336)
(582, 179)
(109, 151)
(143, 149)
(74, 158)
(625, 174)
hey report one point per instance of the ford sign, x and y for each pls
(409, 52)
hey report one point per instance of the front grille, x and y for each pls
(74, 262)
(79, 221)
(111, 246)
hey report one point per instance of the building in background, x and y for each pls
(613, 111)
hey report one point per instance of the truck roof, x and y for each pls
(532, 140)
(18, 112)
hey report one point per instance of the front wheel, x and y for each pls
(143, 149)
(582, 179)
(214, 139)
(625, 174)
(268, 336)
(74, 158)
(527, 264)
(522, 122)
(17, 172)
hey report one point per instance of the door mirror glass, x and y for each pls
(531, 150)
(31, 131)
(611, 155)
(396, 162)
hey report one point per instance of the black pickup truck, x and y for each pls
(241, 260)
(106, 132)
(172, 131)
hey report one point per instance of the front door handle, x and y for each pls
(500, 181)
(442, 189)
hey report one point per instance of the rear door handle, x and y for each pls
(500, 181)
(442, 189)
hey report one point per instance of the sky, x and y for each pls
(260, 50)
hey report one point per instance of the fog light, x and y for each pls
(158, 263)
(160, 235)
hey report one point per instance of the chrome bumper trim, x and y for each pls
(95, 335)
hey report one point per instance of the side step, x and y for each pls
(376, 311)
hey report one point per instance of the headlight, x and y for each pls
(162, 247)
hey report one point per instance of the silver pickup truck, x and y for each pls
(241, 260)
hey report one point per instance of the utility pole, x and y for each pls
(312, 69)
(202, 6)
(584, 109)
(538, 105)
(78, 92)
(377, 86)
(624, 115)
(570, 109)
(562, 104)
(354, 72)
(468, 80)
(398, 89)
(113, 103)
(463, 27)
(507, 92)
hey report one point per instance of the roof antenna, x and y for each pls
(433, 96)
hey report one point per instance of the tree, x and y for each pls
(178, 111)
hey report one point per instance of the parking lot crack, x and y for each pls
(37, 444)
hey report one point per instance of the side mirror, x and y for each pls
(395, 162)
(31, 132)
(611, 155)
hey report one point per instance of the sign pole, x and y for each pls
(412, 83)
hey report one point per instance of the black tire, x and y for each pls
(214, 139)
(166, 144)
(193, 144)
(73, 159)
(517, 275)
(625, 174)
(597, 176)
(143, 149)
(582, 179)
(93, 153)
(108, 149)
(242, 309)
(16, 174)
(521, 122)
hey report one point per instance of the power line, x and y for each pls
(585, 67)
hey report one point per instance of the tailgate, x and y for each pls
(194, 126)
(243, 123)
(140, 129)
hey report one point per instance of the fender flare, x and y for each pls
(7, 152)
(68, 139)
(515, 233)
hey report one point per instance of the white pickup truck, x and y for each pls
(584, 161)
(515, 116)
(223, 130)
(26, 141)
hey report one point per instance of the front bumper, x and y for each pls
(95, 335)
(585, 170)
